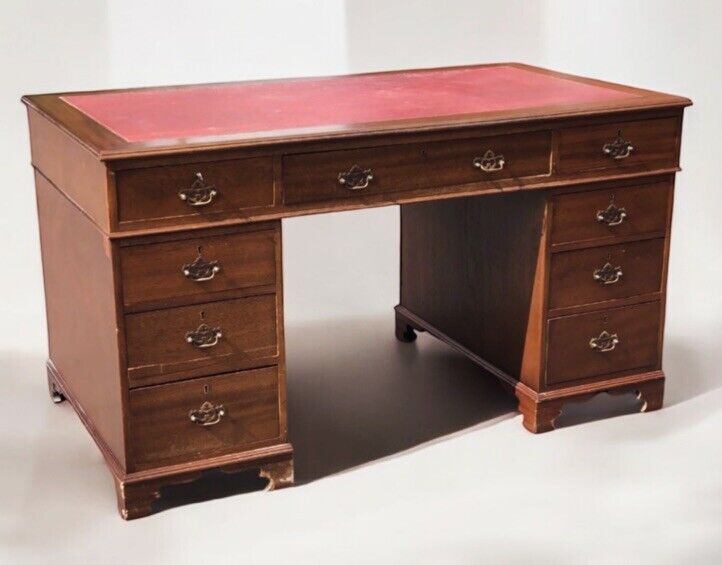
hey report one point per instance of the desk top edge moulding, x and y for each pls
(171, 119)
(535, 213)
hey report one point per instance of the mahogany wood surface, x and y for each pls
(158, 350)
(572, 273)
(655, 142)
(497, 263)
(570, 356)
(574, 215)
(314, 176)
(80, 292)
(161, 431)
(153, 192)
(468, 267)
(153, 272)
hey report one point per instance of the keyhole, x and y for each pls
(199, 251)
(423, 154)
(203, 315)
(206, 389)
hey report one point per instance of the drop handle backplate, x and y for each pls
(604, 342)
(608, 274)
(618, 148)
(490, 162)
(201, 270)
(612, 215)
(199, 193)
(355, 178)
(204, 336)
(208, 414)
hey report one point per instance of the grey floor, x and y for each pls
(404, 453)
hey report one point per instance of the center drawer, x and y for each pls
(355, 173)
(179, 343)
(203, 417)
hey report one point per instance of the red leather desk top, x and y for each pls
(234, 108)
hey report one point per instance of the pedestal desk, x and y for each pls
(535, 224)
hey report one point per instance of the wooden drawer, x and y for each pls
(315, 176)
(158, 349)
(606, 273)
(570, 356)
(155, 193)
(576, 217)
(242, 410)
(185, 271)
(591, 148)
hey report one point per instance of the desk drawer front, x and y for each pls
(203, 417)
(196, 191)
(317, 176)
(611, 212)
(642, 145)
(179, 343)
(631, 341)
(193, 270)
(605, 273)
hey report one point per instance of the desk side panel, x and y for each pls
(468, 268)
(82, 319)
(72, 168)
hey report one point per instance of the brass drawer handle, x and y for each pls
(608, 274)
(204, 336)
(355, 178)
(201, 270)
(619, 148)
(604, 342)
(207, 414)
(490, 162)
(199, 194)
(611, 215)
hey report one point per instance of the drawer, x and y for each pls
(654, 145)
(570, 355)
(204, 417)
(192, 192)
(610, 212)
(605, 273)
(157, 275)
(378, 170)
(178, 343)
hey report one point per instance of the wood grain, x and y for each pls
(468, 268)
(152, 193)
(153, 278)
(162, 432)
(158, 351)
(80, 306)
(314, 176)
(655, 145)
(571, 280)
(570, 357)
(574, 215)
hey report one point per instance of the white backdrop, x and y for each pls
(656, 477)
